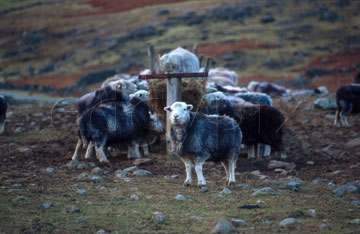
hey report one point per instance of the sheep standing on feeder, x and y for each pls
(3, 108)
(196, 138)
(179, 61)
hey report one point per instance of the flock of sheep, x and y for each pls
(232, 118)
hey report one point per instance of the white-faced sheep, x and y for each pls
(222, 76)
(196, 138)
(179, 61)
(267, 87)
(3, 108)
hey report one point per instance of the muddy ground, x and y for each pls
(33, 144)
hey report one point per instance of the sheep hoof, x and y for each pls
(203, 188)
(231, 184)
(105, 161)
(186, 184)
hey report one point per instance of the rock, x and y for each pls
(222, 227)
(92, 164)
(130, 169)
(19, 130)
(288, 221)
(73, 209)
(174, 176)
(265, 191)
(82, 166)
(311, 163)
(323, 225)
(24, 150)
(101, 231)
(268, 222)
(337, 172)
(17, 185)
(197, 218)
(354, 201)
(204, 189)
(325, 103)
(279, 170)
(135, 197)
(312, 213)
(296, 179)
(13, 190)
(320, 181)
(84, 177)
(50, 170)
(243, 186)
(79, 220)
(121, 174)
(355, 221)
(180, 197)
(158, 217)
(273, 164)
(142, 173)
(81, 191)
(353, 143)
(96, 179)
(226, 191)
(239, 223)
(97, 171)
(143, 162)
(21, 198)
(45, 206)
(72, 164)
(267, 18)
(346, 188)
(292, 185)
(120, 198)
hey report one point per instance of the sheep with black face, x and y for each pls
(3, 108)
(196, 138)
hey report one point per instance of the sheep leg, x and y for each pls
(198, 169)
(145, 148)
(90, 151)
(75, 157)
(136, 150)
(100, 154)
(267, 151)
(2, 126)
(259, 150)
(345, 121)
(251, 151)
(188, 168)
(342, 118)
(226, 170)
(336, 121)
(232, 166)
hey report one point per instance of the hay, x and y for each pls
(192, 92)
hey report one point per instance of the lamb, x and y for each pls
(267, 87)
(179, 61)
(260, 124)
(114, 123)
(3, 108)
(196, 138)
(348, 101)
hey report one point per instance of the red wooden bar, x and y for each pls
(173, 75)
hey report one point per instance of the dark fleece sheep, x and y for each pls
(259, 124)
(3, 108)
(115, 123)
(348, 101)
(196, 138)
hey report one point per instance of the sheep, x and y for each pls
(179, 61)
(267, 87)
(222, 76)
(127, 86)
(348, 101)
(259, 124)
(195, 138)
(3, 108)
(255, 98)
(143, 95)
(113, 123)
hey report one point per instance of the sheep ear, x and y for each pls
(168, 109)
(189, 107)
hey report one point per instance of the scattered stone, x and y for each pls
(21, 198)
(269, 222)
(50, 170)
(265, 191)
(13, 190)
(311, 163)
(204, 189)
(130, 169)
(346, 188)
(219, 195)
(330, 116)
(325, 103)
(273, 164)
(149, 196)
(17, 185)
(82, 166)
(288, 221)
(222, 227)
(197, 218)
(323, 225)
(79, 220)
(180, 197)
(121, 174)
(136, 212)
(92, 164)
(96, 179)
(72, 164)
(355, 221)
(239, 223)
(320, 181)
(158, 217)
(97, 171)
(120, 197)
(84, 177)
(45, 206)
(296, 179)
(135, 197)
(142, 173)
(331, 183)
(174, 176)
(143, 162)
(280, 170)
(226, 191)
(353, 143)
(243, 186)
(101, 231)
(24, 150)
(19, 130)
(73, 209)
(312, 212)
(292, 185)
(81, 191)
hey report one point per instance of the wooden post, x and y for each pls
(173, 95)
(151, 53)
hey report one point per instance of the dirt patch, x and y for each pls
(231, 46)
